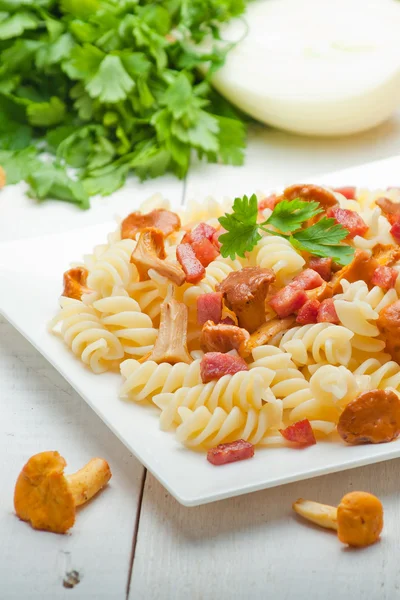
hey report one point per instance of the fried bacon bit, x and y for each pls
(223, 337)
(75, 283)
(308, 313)
(209, 308)
(348, 192)
(323, 266)
(288, 300)
(327, 312)
(265, 333)
(269, 202)
(307, 280)
(171, 342)
(192, 267)
(361, 267)
(201, 240)
(245, 292)
(349, 219)
(2, 177)
(215, 365)
(227, 453)
(372, 418)
(150, 254)
(164, 220)
(390, 209)
(384, 277)
(389, 325)
(300, 433)
(395, 231)
(205, 251)
(309, 192)
(216, 235)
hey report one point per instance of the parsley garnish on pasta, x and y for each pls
(321, 239)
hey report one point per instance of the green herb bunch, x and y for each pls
(108, 87)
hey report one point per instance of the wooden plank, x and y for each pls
(255, 547)
(40, 411)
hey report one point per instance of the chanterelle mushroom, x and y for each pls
(164, 220)
(244, 292)
(358, 519)
(2, 177)
(171, 343)
(75, 283)
(47, 498)
(150, 254)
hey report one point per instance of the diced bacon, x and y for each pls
(395, 231)
(209, 308)
(308, 313)
(384, 277)
(323, 266)
(307, 280)
(269, 202)
(227, 453)
(288, 300)
(203, 230)
(215, 365)
(348, 192)
(205, 251)
(300, 433)
(191, 266)
(228, 321)
(327, 312)
(349, 219)
(215, 237)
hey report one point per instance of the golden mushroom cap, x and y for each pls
(360, 519)
(42, 495)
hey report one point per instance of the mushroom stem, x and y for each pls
(89, 480)
(320, 514)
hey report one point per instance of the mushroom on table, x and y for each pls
(358, 519)
(47, 498)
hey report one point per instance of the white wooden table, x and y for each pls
(134, 541)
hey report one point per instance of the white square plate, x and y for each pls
(30, 284)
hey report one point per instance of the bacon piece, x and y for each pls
(390, 209)
(307, 280)
(227, 453)
(245, 292)
(384, 277)
(191, 266)
(215, 365)
(308, 313)
(209, 308)
(75, 283)
(348, 192)
(349, 219)
(215, 237)
(164, 220)
(327, 312)
(269, 202)
(203, 230)
(288, 300)
(222, 337)
(309, 192)
(301, 433)
(395, 231)
(323, 266)
(205, 251)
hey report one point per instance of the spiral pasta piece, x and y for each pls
(246, 389)
(113, 269)
(378, 230)
(382, 376)
(278, 254)
(82, 331)
(123, 317)
(318, 343)
(202, 428)
(145, 380)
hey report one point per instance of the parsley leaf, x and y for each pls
(289, 215)
(52, 180)
(321, 239)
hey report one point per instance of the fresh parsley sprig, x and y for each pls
(321, 239)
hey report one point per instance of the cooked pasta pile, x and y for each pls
(306, 369)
